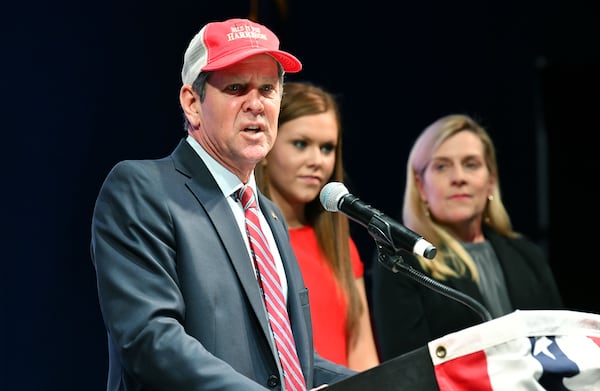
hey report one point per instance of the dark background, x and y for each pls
(88, 84)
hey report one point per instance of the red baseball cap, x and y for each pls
(221, 44)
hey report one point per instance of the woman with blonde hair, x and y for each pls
(453, 199)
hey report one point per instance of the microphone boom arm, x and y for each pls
(390, 258)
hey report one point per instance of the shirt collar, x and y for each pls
(226, 180)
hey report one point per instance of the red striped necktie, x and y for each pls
(272, 293)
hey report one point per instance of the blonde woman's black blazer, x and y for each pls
(407, 315)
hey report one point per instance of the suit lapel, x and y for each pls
(210, 197)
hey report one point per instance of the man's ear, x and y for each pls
(189, 101)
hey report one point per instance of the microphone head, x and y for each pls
(331, 194)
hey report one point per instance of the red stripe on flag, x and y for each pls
(465, 373)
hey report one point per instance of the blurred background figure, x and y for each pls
(453, 199)
(307, 154)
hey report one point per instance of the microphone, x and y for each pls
(335, 197)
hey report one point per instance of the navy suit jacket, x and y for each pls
(176, 288)
(407, 314)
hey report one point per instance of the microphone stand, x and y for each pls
(391, 259)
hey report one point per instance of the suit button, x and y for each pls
(273, 381)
